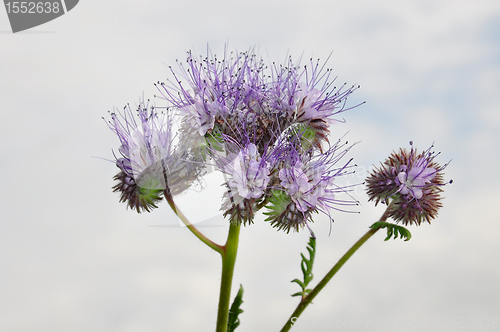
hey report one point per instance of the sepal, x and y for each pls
(282, 212)
(242, 212)
(139, 198)
(214, 140)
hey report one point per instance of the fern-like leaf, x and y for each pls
(393, 230)
(278, 202)
(233, 321)
(306, 266)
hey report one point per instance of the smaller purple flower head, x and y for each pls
(247, 180)
(148, 163)
(410, 183)
(212, 90)
(249, 174)
(308, 95)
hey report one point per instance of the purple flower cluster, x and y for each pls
(410, 184)
(237, 96)
(270, 124)
(263, 126)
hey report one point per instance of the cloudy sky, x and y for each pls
(72, 258)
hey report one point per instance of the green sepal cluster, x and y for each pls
(306, 265)
(307, 136)
(233, 321)
(214, 140)
(282, 212)
(393, 230)
(149, 191)
(204, 147)
(149, 197)
(278, 201)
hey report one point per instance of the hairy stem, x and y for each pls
(308, 299)
(194, 230)
(227, 252)
(228, 260)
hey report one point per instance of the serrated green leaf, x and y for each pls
(300, 283)
(233, 321)
(393, 230)
(306, 265)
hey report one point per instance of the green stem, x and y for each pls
(227, 252)
(194, 230)
(308, 299)
(228, 260)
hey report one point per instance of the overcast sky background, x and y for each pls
(72, 258)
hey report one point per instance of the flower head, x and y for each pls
(410, 183)
(247, 181)
(308, 95)
(230, 89)
(307, 185)
(148, 163)
(249, 174)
